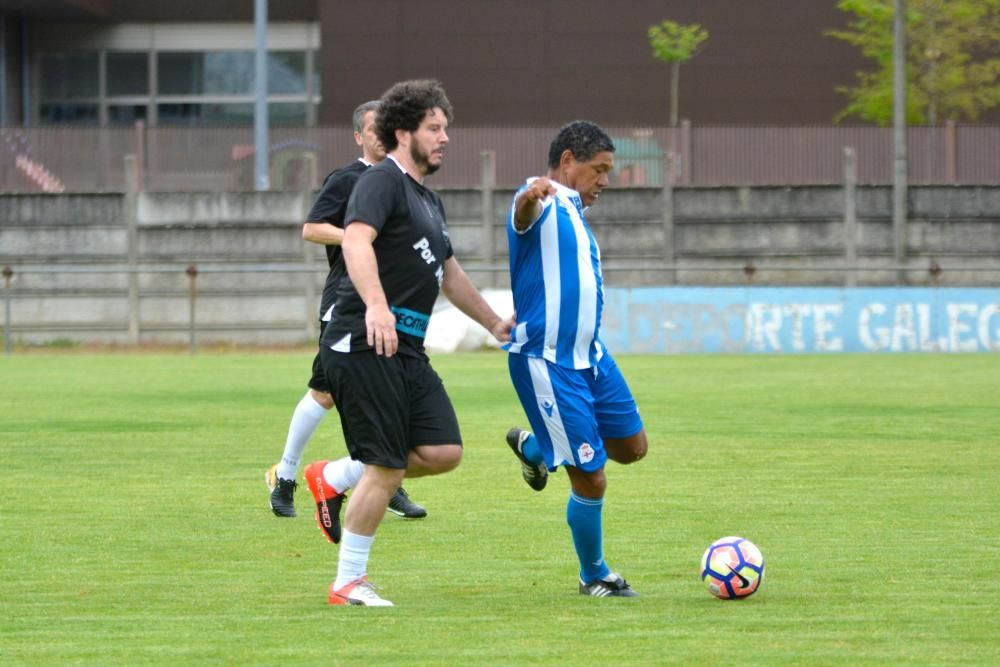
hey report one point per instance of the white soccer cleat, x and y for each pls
(359, 592)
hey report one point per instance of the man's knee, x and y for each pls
(386, 478)
(627, 450)
(439, 459)
(588, 484)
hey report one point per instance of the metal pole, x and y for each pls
(309, 249)
(192, 273)
(684, 163)
(850, 217)
(130, 212)
(899, 213)
(8, 273)
(487, 179)
(669, 249)
(950, 153)
(140, 154)
(262, 180)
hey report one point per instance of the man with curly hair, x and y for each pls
(325, 225)
(396, 415)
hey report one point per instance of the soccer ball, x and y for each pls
(732, 568)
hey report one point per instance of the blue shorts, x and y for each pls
(572, 411)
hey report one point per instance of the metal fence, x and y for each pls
(58, 159)
(117, 315)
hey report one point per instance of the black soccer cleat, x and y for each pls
(535, 474)
(611, 586)
(401, 505)
(282, 499)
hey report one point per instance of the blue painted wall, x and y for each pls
(801, 320)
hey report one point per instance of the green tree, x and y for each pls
(953, 59)
(675, 44)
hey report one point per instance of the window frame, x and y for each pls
(154, 39)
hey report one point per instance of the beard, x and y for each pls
(422, 160)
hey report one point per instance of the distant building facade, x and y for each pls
(503, 62)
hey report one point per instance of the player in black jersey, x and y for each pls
(325, 225)
(396, 415)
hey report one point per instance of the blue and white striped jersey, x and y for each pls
(555, 273)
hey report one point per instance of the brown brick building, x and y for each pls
(504, 62)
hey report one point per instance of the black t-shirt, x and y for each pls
(330, 206)
(411, 248)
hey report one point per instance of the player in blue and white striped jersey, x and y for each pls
(577, 402)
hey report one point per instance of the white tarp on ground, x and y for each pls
(451, 330)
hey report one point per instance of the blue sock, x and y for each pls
(584, 518)
(532, 450)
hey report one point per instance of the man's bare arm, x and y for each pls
(362, 267)
(322, 233)
(460, 291)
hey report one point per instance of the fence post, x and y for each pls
(140, 153)
(667, 206)
(950, 152)
(8, 273)
(130, 211)
(686, 163)
(487, 184)
(309, 249)
(192, 274)
(850, 218)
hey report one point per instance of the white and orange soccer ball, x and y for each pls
(732, 568)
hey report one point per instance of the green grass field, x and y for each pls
(134, 526)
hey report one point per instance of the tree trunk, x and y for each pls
(675, 84)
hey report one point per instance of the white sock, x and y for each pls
(353, 562)
(343, 474)
(307, 416)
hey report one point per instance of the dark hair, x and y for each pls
(582, 138)
(358, 119)
(404, 106)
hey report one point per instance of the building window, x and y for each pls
(214, 113)
(126, 114)
(213, 88)
(69, 75)
(286, 73)
(128, 73)
(288, 114)
(68, 114)
(206, 73)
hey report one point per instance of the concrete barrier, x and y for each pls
(257, 282)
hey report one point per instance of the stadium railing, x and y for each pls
(75, 159)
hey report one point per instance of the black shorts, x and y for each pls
(389, 405)
(318, 379)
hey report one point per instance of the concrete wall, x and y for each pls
(257, 282)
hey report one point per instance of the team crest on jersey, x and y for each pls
(585, 453)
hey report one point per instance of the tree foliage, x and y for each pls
(952, 54)
(672, 42)
(675, 44)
